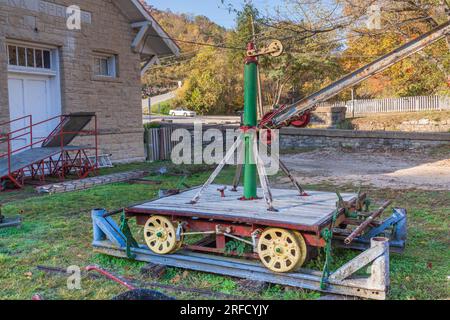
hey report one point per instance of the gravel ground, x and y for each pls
(399, 170)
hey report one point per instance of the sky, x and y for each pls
(212, 9)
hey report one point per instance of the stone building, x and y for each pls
(56, 59)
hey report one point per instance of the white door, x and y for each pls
(30, 95)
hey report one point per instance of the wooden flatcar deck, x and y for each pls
(303, 213)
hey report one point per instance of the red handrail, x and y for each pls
(15, 120)
(9, 136)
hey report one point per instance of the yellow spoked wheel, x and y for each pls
(303, 249)
(279, 250)
(179, 243)
(160, 235)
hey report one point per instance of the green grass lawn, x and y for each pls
(57, 232)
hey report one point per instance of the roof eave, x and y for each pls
(175, 49)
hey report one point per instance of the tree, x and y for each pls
(207, 88)
(323, 41)
(188, 29)
(422, 74)
(302, 69)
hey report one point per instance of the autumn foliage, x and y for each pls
(314, 57)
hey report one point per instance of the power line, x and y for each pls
(183, 54)
(199, 43)
(171, 64)
(304, 29)
(332, 55)
(305, 34)
(189, 52)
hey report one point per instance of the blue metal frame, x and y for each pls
(10, 222)
(397, 234)
(398, 220)
(106, 229)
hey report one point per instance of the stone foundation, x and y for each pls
(295, 138)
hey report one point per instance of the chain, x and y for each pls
(130, 241)
(327, 235)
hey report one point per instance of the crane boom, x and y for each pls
(308, 104)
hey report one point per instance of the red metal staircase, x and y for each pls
(52, 155)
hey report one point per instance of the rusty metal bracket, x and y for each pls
(363, 226)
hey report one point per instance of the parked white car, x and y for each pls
(182, 113)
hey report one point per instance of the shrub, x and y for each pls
(163, 107)
(152, 125)
(346, 125)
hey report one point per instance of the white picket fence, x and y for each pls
(405, 104)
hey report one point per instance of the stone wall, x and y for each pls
(305, 138)
(117, 101)
(292, 138)
(4, 110)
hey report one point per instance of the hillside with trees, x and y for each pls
(322, 43)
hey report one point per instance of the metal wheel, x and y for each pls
(160, 235)
(177, 247)
(279, 250)
(179, 243)
(303, 249)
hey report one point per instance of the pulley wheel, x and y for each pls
(160, 235)
(279, 250)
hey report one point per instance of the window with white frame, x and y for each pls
(29, 57)
(105, 65)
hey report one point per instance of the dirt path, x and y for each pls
(403, 170)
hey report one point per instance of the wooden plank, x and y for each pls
(230, 209)
(293, 209)
(267, 215)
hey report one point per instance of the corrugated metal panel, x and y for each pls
(159, 143)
